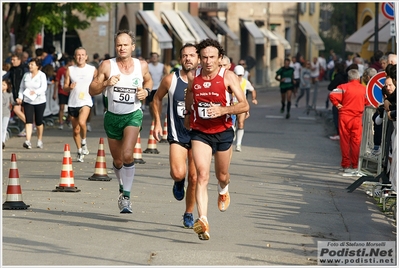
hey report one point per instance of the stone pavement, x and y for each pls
(286, 190)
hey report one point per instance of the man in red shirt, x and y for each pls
(208, 115)
(350, 99)
(63, 96)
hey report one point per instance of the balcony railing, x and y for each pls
(213, 6)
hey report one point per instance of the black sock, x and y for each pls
(288, 106)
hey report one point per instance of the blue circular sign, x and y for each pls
(388, 9)
(374, 89)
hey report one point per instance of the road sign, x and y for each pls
(392, 29)
(388, 10)
(374, 89)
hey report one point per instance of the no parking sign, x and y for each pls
(388, 10)
(374, 89)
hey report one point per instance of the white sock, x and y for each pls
(240, 134)
(127, 176)
(223, 191)
(117, 174)
(84, 141)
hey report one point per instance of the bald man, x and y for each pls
(392, 58)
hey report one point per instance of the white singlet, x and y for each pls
(122, 96)
(79, 96)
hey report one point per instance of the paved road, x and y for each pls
(287, 193)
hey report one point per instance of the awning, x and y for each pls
(255, 32)
(154, 26)
(283, 41)
(174, 22)
(274, 41)
(308, 30)
(206, 29)
(384, 36)
(195, 29)
(225, 30)
(355, 42)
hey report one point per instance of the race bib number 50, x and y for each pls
(124, 95)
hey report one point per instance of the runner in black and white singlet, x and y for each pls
(175, 85)
(126, 81)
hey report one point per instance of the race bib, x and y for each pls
(81, 95)
(287, 80)
(203, 109)
(181, 107)
(124, 95)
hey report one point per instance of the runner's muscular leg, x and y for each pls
(177, 160)
(202, 155)
(222, 164)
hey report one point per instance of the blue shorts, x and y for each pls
(221, 141)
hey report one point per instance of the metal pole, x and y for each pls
(376, 28)
(63, 31)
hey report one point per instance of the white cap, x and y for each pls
(239, 70)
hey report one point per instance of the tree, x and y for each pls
(27, 19)
(343, 18)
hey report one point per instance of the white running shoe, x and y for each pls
(124, 204)
(80, 157)
(85, 151)
(40, 144)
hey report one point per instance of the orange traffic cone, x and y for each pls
(100, 170)
(137, 153)
(165, 131)
(152, 143)
(14, 192)
(67, 183)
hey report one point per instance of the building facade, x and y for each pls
(262, 33)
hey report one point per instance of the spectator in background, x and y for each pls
(330, 67)
(339, 78)
(348, 60)
(96, 60)
(392, 59)
(32, 93)
(360, 65)
(50, 56)
(350, 99)
(375, 60)
(7, 107)
(323, 68)
(383, 63)
(106, 56)
(157, 71)
(15, 74)
(25, 58)
(63, 96)
(40, 53)
(232, 64)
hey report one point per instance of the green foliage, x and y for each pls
(344, 17)
(27, 19)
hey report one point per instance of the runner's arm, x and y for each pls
(100, 80)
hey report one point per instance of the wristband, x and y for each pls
(148, 91)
